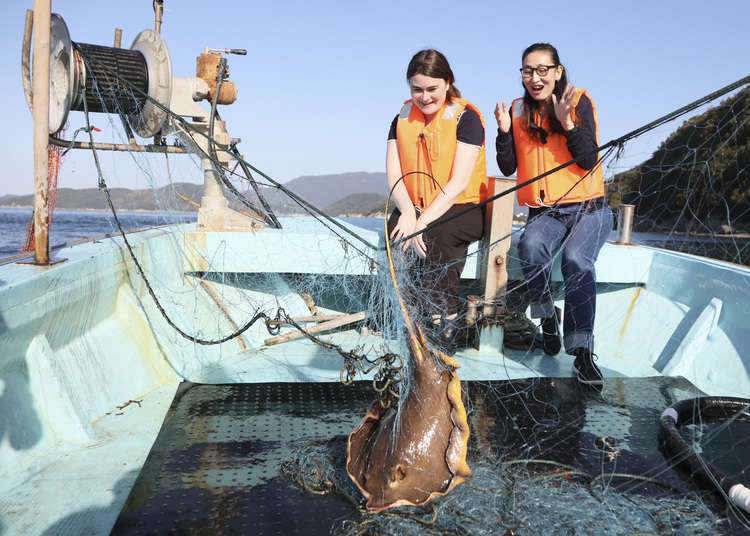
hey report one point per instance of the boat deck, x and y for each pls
(269, 458)
(93, 480)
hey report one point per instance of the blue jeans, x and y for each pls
(577, 232)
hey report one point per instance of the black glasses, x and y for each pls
(541, 70)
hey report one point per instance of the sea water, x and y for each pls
(70, 225)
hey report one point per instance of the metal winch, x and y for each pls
(107, 79)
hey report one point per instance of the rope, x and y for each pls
(55, 161)
(388, 374)
(271, 323)
(312, 210)
(617, 142)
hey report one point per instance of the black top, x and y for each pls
(469, 129)
(581, 140)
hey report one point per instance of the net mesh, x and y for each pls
(515, 497)
(691, 195)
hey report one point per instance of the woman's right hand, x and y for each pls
(406, 225)
(503, 117)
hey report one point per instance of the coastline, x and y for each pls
(30, 207)
(57, 209)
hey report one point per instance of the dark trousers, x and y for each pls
(436, 283)
(577, 232)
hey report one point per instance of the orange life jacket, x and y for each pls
(430, 150)
(534, 158)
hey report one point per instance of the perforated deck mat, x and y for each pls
(215, 465)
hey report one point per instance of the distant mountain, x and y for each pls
(340, 194)
(318, 190)
(357, 204)
(164, 198)
(324, 190)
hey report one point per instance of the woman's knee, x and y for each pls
(533, 248)
(576, 261)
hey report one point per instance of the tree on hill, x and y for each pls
(698, 179)
(362, 204)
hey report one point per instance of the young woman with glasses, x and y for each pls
(552, 124)
(436, 167)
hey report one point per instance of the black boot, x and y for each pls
(588, 372)
(551, 334)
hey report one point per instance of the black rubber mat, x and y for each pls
(215, 465)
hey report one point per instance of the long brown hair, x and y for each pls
(531, 105)
(432, 63)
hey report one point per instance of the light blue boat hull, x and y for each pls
(82, 340)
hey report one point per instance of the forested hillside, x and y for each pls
(699, 177)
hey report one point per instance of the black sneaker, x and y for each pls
(588, 372)
(519, 332)
(551, 335)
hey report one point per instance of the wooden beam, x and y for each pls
(313, 318)
(40, 87)
(342, 320)
(498, 226)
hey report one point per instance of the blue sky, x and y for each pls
(322, 80)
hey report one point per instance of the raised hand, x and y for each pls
(564, 106)
(503, 117)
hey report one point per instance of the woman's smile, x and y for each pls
(429, 94)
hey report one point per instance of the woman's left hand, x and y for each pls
(418, 241)
(564, 106)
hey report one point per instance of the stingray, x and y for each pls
(415, 451)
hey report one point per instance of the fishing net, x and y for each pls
(516, 489)
(513, 499)
(691, 196)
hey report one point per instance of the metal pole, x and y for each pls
(158, 11)
(118, 146)
(25, 55)
(40, 88)
(624, 223)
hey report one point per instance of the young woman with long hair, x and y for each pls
(554, 123)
